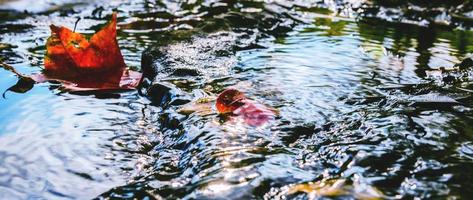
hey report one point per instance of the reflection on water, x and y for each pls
(356, 99)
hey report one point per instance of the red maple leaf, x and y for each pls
(235, 102)
(82, 65)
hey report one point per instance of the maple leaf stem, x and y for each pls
(75, 24)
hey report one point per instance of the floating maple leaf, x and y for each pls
(71, 52)
(235, 102)
(81, 64)
(85, 65)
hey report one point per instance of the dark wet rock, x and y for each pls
(460, 73)
(467, 63)
(174, 68)
(206, 56)
(163, 94)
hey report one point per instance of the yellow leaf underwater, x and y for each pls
(336, 187)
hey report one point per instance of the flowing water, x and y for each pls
(362, 101)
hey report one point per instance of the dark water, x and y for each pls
(361, 99)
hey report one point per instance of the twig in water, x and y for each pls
(11, 69)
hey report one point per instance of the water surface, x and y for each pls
(356, 96)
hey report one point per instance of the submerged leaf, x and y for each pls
(321, 188)
(202, 106)
(336, 187)
(235, 102)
